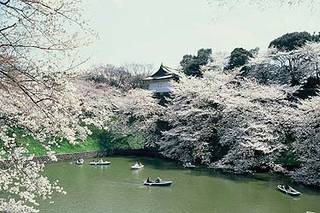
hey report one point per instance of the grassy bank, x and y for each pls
(99, 140)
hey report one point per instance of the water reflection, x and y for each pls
(100, 167)
(136, 171)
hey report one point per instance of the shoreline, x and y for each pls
(99, 154)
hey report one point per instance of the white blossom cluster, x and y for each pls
(307, 144)
(224, 111)
(36, 94)
(56, 117)
(109, 108)
(285, 67)
(235, 123)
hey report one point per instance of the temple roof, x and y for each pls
(163, 73)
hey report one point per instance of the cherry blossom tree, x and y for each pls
(306, 146)
(235, 123)
(122, 113)
(135, 111)
(36, 92)
(125, 77)
(282, 67)
(225, 116)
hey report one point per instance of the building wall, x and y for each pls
(160, 86)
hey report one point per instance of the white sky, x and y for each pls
(155, 31)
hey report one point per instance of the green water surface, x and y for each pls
(117, 189)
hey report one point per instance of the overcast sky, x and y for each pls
(155, 31)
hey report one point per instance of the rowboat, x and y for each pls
(189, 165)
(137, 166)
(99, 163)
(161, 183)
(157, 182)
(288, 190)
(80, 161)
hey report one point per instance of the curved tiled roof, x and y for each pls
(163, 73)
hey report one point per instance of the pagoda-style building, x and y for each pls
(160, 82)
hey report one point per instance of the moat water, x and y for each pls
(117, 189)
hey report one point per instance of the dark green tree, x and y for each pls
(191, 64)
(309, 88)
(291, 41)
(239, 57)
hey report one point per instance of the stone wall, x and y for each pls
(99, 154)
(72, 156)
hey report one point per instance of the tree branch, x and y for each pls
(8, 27)
(5, 3)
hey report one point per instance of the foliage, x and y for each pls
(98, 140)
(311, 87)
(239, 57)
(191, 65)
(112, 142)
(292, 41)
(34, 147)
(286, 67)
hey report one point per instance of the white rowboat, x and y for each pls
(288, 190)
(137, 166)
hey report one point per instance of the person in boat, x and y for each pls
(158, 180)
(287, 187)
(148, 180)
